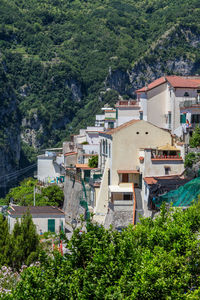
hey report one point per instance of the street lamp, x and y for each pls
(74, 223)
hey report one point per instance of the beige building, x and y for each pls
(171, 102)
(129, 153)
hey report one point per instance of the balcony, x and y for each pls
(189, 102)
(167, 157)
(127, 103)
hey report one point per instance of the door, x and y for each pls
(51, 225)
(125, 177)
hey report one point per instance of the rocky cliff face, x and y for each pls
(165, 57)
(9, 130)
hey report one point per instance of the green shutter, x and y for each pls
(183, 118)
(51, 225)
(61, 225)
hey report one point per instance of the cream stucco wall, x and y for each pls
(158, 105)
(40, 222)
(127, 114)
(157, 168)
(126, 144)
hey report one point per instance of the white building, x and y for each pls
(127, 110)
(171, 102)
(45, 218)
(50, 167)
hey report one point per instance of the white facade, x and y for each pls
(163, 103)
(49, 167)
(45, 218)
(127, 111)
(41, 223)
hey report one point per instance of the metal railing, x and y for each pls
(189, 102)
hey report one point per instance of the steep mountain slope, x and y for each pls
(61, 58)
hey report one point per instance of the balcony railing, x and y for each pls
(166, 157)
(189, 102)
(127, 103)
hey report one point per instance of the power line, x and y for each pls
(18, 171)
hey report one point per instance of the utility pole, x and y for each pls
(34, 195)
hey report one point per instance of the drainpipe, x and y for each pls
(134, 204)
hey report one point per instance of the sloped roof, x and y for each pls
(170, 179)
(127, 124)
(175, 81)
(35, 210)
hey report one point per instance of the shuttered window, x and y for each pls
(51, 225)
(183, 118)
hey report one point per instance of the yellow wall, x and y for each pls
(126, 144)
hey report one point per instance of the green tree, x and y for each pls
(93, 161)
(23, 194)
(195, 139)
(25, 242)
(156, 259)
(4, 241)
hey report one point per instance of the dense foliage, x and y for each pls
(21, 246)
(24, 194)
(93, 161)
(195, 138)
(56, 55)
(157, 259)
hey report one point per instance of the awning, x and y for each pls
(84, 167)
(168, 147)
(120, 189)
(128, 172)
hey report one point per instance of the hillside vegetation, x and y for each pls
(157, 259)
(59, 57)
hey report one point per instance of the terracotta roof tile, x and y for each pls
(70, 153)
(127, 124)
(154, 180)
(152, 85)
(175, 81)
(35, 210)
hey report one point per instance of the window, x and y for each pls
(195, 119)
(109, 151)
(146, 132)
(127, 196)
(51, 225)
(125, 177)
(169, 118)
(141, 115)
(183, 118)
(186, 94)
(110, 125)
(137, 132)
(167, 170)
(109, 177)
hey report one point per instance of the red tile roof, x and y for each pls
(84, 167)
(70, 153)
(154, 180)
(175, 81)
(127, 124)
(35, 210)
(152, 85)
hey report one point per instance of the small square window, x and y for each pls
(167, 170)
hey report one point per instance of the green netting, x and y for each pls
(183, 196)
